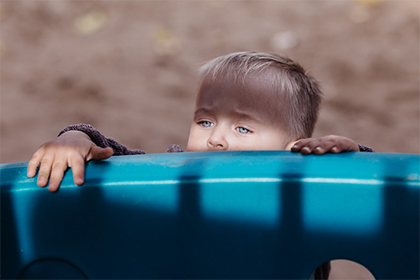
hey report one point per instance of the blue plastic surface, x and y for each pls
(215, 215)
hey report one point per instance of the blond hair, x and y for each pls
(301, 95)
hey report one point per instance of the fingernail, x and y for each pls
(42, 182)
(78, 181)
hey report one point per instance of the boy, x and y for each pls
(246, 101)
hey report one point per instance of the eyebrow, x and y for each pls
(202, 110)
(237, 114)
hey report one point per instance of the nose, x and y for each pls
(217, 140)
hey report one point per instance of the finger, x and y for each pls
(100, 153)
(341, 144)
(45, 170)
(312, 146)
(297, 147)
(306, 150)
(56, 177)
(78, 167)
(324, 147)
(319, 150)
(349, 146)
(34, 163)
(336, 149)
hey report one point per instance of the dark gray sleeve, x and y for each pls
(364, 148)
(101, 140)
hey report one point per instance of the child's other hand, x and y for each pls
(332, 143)
(71, 149)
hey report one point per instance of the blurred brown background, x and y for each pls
(130, 67)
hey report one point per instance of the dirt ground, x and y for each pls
(130, 67)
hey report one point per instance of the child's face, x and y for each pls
(234, 116)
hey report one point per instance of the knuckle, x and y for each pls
(58, 165)
(33, 164)
(56, 175)
(73, 153)
(331, 142)
(76, 159)
(46, 161)
(36, 155)
(44, 175)
(47, 145)
(44, 168)
(314, 143)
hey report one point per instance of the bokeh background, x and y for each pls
(130, 67)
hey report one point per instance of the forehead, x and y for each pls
(257, 95)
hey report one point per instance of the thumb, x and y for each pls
(100, 153)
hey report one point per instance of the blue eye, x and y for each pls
(243, 130)
(206, 123)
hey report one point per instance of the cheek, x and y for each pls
(275, 141)
(194, 141)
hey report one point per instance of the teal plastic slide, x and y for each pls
(214, 215)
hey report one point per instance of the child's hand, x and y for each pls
(319, 146)
(71, 149)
